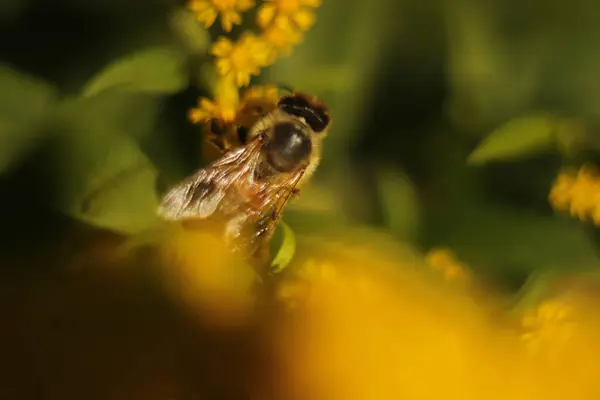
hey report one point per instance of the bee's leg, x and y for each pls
(217, 131)
(260, 254)
(295, 193)
(220, 143)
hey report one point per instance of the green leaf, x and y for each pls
(400, 204)
(106, 179)
(127, 202)
(505, 241)
(25, 101)
(286, 251)
(158, 70)
(539, 285)
(130, 113)
(185, 26)
(518, 138)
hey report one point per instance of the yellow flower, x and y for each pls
(223, 107)
(560, 194)
(299, 12)
(206, 11)
(242, 58)
(579, 194)
(281, 35)
(445, 262)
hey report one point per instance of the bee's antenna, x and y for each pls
(285, 87)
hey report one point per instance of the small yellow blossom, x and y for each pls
(445, 262)
(241, 59)
(560, 194)
(223, 107)
(299, 12)
(579, 194)
(206, 11)
(281, 35)
(548, 327)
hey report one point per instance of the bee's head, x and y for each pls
(308, 108)
(289, 146)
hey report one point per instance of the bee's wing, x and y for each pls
(200, 195)
(277, 200)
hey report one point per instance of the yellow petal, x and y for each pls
(207, 104)
(242, 78)
(235, 17)
(196, 115)
(222, 47)
(311, 3)
(226, 21)
(223, 67)
(304, 19)
(200, 6)
(266, 15)
(244, 5)
(207, 17)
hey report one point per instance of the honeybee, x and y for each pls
(249, 186)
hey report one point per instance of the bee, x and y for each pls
(249, 186)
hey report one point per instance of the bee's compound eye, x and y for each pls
(288, 147)
(315, 114)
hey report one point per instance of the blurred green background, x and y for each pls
(93, 125)
(450, 121)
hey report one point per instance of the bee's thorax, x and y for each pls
(288, 147)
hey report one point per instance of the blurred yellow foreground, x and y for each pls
(183, 320)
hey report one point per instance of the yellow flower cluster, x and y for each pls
(366, 326)
(578, 193)
(282, 24)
